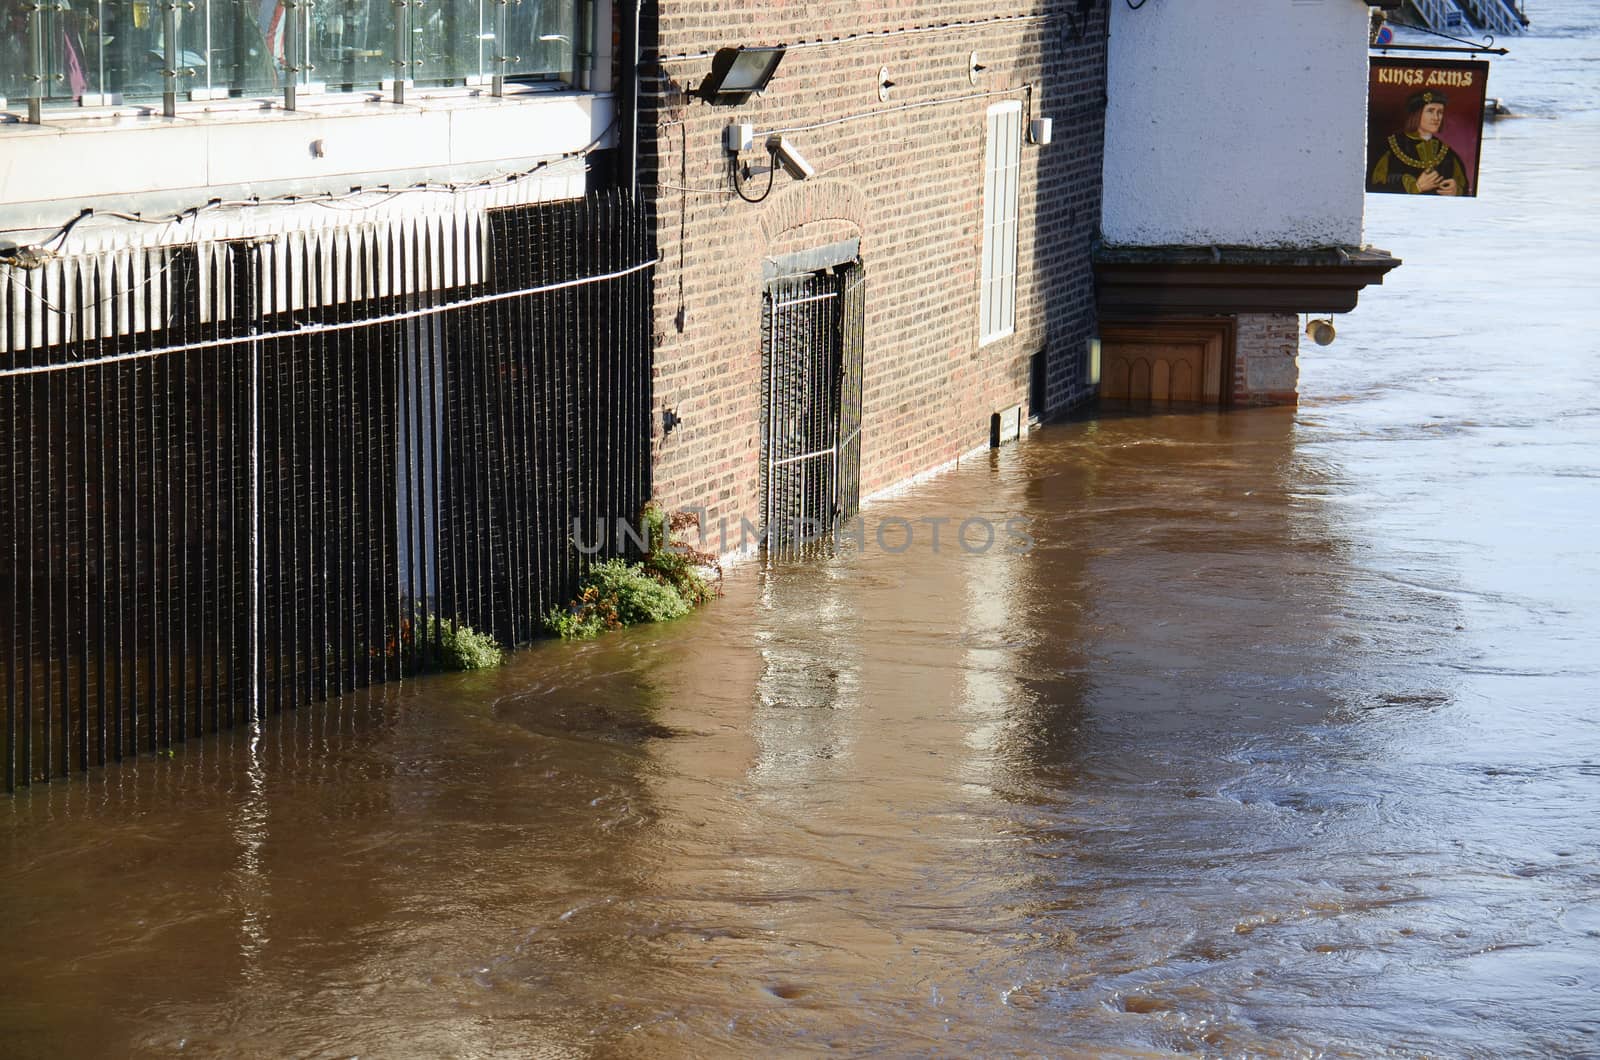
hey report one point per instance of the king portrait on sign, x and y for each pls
(1425, 124)
(1416, 161)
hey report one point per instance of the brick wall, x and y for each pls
(1266, 366)
(905, 177)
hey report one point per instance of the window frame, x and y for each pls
(997, 272)
(240, 51)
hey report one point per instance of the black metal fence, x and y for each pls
(242, 476)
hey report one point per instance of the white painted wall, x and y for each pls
(135, 161)
(1236, 123)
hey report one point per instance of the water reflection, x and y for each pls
(1212, 768)
(1204, 771)
(250, 885)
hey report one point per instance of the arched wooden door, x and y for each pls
(1168, 361)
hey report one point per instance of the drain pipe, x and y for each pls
(628, 112)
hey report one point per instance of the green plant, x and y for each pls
(662, 586)
(674, 562)
(614, 594)
(457, 646)
(677, 570)
(583, 620)
(637, 595)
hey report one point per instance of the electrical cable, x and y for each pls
(663, 157)
(66, 229)
(35, 254)
(724, 192)
(1027, 87)
(856, 38)
(772, 176)
(127, 292)
(323, 328)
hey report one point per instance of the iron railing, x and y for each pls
(812, 345)
(237, 477)
(1495, 16)
(1440, 15)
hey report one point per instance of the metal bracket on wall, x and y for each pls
(1472, 47)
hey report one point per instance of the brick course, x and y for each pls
(1266, 365)
(904, 177)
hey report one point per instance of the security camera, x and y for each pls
(790, 158)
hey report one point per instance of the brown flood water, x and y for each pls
(1282, 741)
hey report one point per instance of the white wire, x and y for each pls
(696, 191)
(327, 199)
(882, 34)
(318, 329)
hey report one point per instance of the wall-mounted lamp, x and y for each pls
(884, 84)
(669, 421)
(739, 73)
(1040, 130)
(1091, 368)
(974, 68)
(1321, 331)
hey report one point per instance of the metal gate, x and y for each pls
(237, 477)
(812, 346)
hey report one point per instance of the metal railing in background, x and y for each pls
(1439, 15)
(242, 476)
(1461, 16)
(1495, 16)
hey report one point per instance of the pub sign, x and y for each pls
(1425, 126)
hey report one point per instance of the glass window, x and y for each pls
(450, 42)
(542, 39)
(997, 296)
(105, 51)
(351, 43)
(82, 50)
(13, 51)
(226, 48)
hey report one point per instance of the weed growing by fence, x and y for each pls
(663, 586)
(617, 593)
(456, 646)
(673, 562)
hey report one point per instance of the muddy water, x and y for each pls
(1281, 741)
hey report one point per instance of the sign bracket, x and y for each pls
(1472, 47)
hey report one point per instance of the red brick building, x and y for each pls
(935, 192)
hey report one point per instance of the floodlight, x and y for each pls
(739, 73)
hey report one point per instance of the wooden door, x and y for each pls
(1176, 362)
